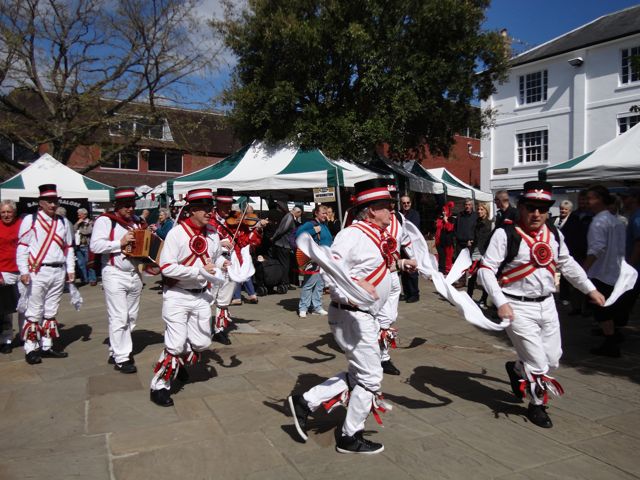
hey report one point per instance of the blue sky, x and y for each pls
(535, 22)
(530, 23)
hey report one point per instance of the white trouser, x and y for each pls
(535, 334)
(222, 297)
(357, 335)
(388, 314)
(43, 299)
(122, 294)
(187, 325)
(6, 318)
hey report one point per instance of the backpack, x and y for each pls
(514, 239)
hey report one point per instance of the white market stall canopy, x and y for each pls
(615, 162)
(261, 168)
(46, 169)
(450, 180)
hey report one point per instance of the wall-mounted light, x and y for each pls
(144, 153)
(471, 153)
(576, 62)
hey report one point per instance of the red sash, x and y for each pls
(372, 231)
(115, 218)
(35, 262)
(198, 246)
(541, 257)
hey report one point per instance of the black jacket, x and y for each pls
(482, 235)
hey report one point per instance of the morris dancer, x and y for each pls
(232, 239)
(190, 248)
(389, 313)
(367, 251)
(45, 258)
(121, 280)
(518, 271)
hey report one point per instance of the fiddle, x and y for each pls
(235, 218)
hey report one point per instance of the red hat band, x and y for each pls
(223, 198)
(125, 194)
(199, 194)
(538, 194)
(372, 195)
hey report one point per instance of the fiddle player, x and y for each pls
(233, 237)
(121, 281)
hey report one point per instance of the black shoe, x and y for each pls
(112, 361)
(183, 375)
(221, 337)
(609, 348)
(300, 412)
(413, 299)
(618, 336)
(537, 414)
(402, 297)
(514, 379)
(389, 368)
(33, 357)
(6, 348)
(161, 397)
(125, 367)
(51, 353)
(358, 444)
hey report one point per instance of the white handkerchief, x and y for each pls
(218, 278)
(626, 281)
(76, 299)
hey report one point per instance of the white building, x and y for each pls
(562, 99)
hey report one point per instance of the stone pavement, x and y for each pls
(453, 417)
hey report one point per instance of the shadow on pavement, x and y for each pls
(290, 304)
(324, 340)
(73, 334)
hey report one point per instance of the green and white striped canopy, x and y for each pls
(46, 169)
(259, 168)
(615, 162)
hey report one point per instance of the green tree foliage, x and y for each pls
(347, 76)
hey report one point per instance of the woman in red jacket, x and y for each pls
(444, 238)
(9, 227)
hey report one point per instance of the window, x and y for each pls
(630, 70)
(161, 161)
(533, 87)
(123, 161)
(16, 152)
(625, 123)
(533, 147)
(157, 129)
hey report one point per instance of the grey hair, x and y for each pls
(296, 209)
(362, 213)
(83, 210)
(468, 200)
(10, 203)
(567, 204)
(165, 211)
(61, 211)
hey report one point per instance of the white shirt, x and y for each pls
(176, 250)
(538, 284)
(31, 237)
(606, 241)
(109, 246)
(397, 231)
(362, 257)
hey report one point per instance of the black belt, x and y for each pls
(344, 306)
(527, 299)
(53, 265)
(195, 291)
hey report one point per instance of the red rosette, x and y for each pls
(198, 245)
(541, 254)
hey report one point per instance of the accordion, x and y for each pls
(146, 246)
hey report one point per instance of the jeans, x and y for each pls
(82, 258)
(311, 294)
(248, 287)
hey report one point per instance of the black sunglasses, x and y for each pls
(533, 208)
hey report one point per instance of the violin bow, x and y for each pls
(244, 212)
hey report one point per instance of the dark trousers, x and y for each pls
(283, 256)
(410, 284)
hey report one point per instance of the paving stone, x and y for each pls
(192, 408)
(592, 405)
(124, 411)
(575, 468)
(164, 435)
(495, 437)
(614, 449)
(232, 457)
(111, 383)
(245, 412)
(628, 423)
(19, 372)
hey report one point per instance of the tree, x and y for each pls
(347, 76)
(70, 68)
